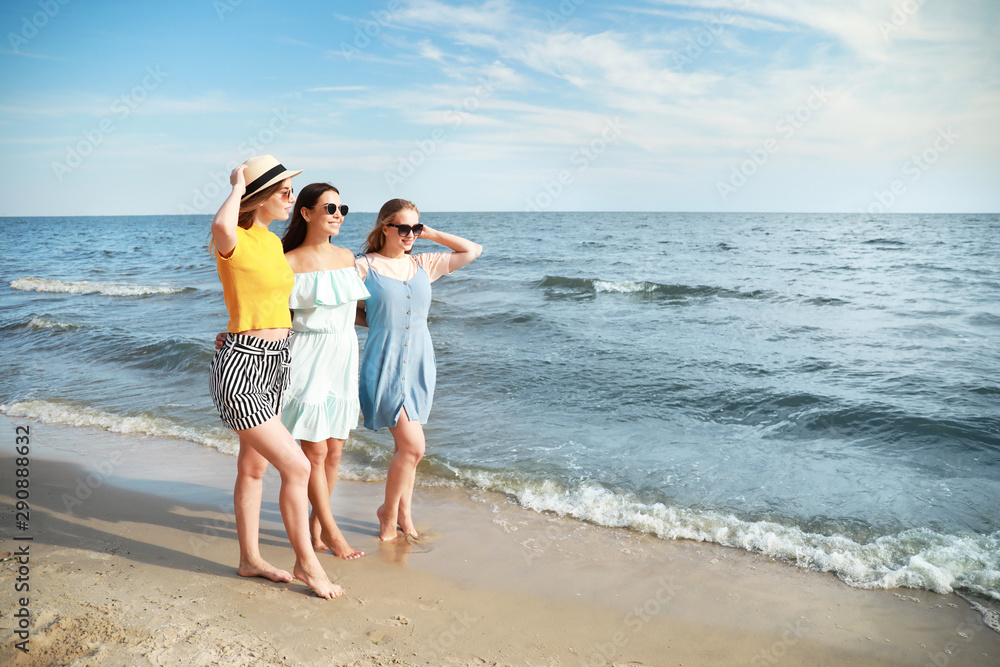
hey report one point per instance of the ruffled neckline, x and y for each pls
(332, 287)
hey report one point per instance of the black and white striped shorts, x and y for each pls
(249, 375)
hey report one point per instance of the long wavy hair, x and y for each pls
(386, 215)
(297, 226)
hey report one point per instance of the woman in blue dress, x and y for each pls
(397, 368)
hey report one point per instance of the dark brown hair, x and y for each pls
(386, 215)
(297, 226)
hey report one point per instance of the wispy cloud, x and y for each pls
(492, 15)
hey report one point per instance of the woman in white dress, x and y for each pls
(321, 403)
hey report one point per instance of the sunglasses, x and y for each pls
(332, 209)
(404, 230)
(286, 194)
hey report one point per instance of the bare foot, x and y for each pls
(318, 581)
(339, 546)
(405, 523)
(261, 568)
(409, 529)
(387, 528)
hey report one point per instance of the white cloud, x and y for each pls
(494, 15)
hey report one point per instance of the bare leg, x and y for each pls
(250, 469)
(272, 441)
(319, 455)
(409, 438)
(312, 450)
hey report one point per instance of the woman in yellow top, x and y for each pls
(250, 372)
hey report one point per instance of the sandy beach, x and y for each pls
(132, 556)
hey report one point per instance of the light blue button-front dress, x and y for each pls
(397, 367)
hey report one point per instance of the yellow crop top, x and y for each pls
(256, 281)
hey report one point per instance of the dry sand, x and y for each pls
(132, 562)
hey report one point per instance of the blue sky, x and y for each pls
(566, 105)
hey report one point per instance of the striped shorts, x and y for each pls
(249, 375)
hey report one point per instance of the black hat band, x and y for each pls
(262, 179)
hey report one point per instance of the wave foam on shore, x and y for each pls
(31, 284)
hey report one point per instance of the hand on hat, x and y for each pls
(238, 179)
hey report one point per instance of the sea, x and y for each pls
(820, 388)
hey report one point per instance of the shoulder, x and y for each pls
(344, 256)
(361, 263)
(294, 258)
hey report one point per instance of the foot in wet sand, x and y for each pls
(405, 523)
(261, 568)
(339, 546)
(318, 581)
(409, 529)
(387, 528)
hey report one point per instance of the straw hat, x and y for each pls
(263, 171)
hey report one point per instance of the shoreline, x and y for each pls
(133, 562)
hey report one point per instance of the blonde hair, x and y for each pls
(249, 205)
(386, 215)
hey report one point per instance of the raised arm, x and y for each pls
(225, 222)
(464, 249)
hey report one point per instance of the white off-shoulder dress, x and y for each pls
(322, 397)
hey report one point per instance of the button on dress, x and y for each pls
(398, 367)
(322, 397)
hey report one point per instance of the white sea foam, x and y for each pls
(624, 287)
(917, 558)
(29, 284)
(42, 323)
(52, 412)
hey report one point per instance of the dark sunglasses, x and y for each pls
(404, 230)
(332, 209)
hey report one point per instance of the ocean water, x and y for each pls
(821, 388)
